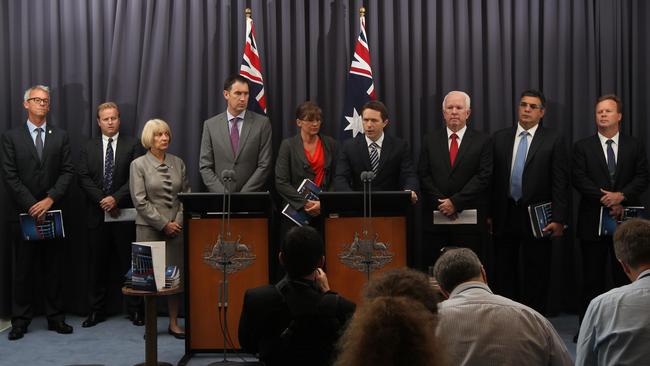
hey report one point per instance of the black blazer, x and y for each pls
(545, 178)
(466, 184)
(91, 174)
(590, 174)
(291, 167)
(27, 179)
(395, 172)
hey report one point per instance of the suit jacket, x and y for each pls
(545, 177)
(29, 180)
(91, 174)
(590, 174)
(395, 171)
(292, 167)
(467, 183)
(252, 165)
(154, 188)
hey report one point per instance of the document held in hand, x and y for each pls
(50, 228)
(607, 224)
(126, 214)
(540, 216)
(465, 217)
(308, 190)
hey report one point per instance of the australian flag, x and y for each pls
(360, 86)
(251, 69)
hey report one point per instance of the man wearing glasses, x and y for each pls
(530, 168)
(37, 170)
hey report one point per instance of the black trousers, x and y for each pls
(36, 264)
(104, 240)
(599, 263)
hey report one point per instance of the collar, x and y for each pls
(105, 138)
(531, 130)
(240, 115)
(460, 133)
(603, 139)
(154, 160)
(643, 274)
(468, 286)
(379, 141)
(31, 126)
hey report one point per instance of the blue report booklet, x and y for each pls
(148, 265)
(540, 216)
(50, 228)
(607, 224)
(308, 190)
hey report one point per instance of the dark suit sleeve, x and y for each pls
(639, 183)
(343, 175)
(283, 177)
(85, 181)
(257, 180)
(424, 171)
(334, 149)
(581, 180)
(560, 181)
(15, 186)
(247, 332)
(408, 178)
(478, 184)
(66, 171)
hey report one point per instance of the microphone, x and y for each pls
(227, 175)
(367, 176)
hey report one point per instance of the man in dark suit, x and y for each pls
(609, 170)
(530, 167)
(238, 140)
(386, 156)
(37, 169)
(455, 170)
(297, 321)
(104, 176)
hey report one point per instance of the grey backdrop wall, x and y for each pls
(168, 59)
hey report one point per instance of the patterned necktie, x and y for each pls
(516, 177)
(108, 167)
(611, 160)
(374, 157)
(234, 135)
(39, 143)
(453, 148)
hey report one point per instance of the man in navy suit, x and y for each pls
(530, 168)
(387, 156)
(37, 170)
(610, 170)
(455, 170)
(104, 176)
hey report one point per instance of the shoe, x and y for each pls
(176, 335)
(17, 332)
(59, 326)
(93, 319)
(137, 318)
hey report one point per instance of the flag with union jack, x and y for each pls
(251, 69)
(360, 86)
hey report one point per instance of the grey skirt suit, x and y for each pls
(154, 190)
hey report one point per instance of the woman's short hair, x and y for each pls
(152, 128)
(309, 111)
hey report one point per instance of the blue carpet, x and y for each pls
(117, 342)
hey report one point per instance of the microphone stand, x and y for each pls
(366, 178)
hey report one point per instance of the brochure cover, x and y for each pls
(50, 228)
(540, 216)
(148, 265)
(310, 191)
(607, 224)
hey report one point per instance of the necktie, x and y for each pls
(611, 160)
(453, 148)
(234, 135)
(374, 157)
(39, 143)
(518, 169)
(108, 167)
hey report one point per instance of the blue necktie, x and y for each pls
(517, 175)
(108, 167)
(374, 157)
(611, 160)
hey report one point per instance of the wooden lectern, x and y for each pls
(343, 217)
(250, 214)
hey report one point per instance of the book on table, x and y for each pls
(148, 265)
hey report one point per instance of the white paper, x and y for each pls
(126, 214)
(466, 217)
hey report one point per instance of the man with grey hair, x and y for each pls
(477, 327)
(37, 170)
(455, 170)
(616, 327)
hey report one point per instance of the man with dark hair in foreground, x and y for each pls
(299, 320)
(616, 327)
(477, 327)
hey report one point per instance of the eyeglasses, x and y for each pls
(313, 121)
(532, 106)
(39, 100)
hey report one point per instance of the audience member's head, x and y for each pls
(457, 266)
(302, 251)
(632, 246)
(404, 282)
(390, 331)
